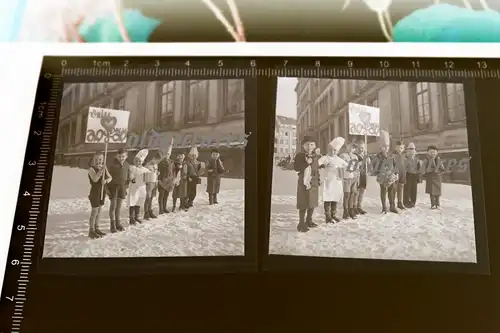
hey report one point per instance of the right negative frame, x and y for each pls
(378, 175)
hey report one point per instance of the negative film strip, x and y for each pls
(50, 231)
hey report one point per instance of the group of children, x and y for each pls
(150, 175)
(343, 177)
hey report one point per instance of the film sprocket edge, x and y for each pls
(184, 101)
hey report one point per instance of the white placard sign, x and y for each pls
(364, 119)
(107, 123)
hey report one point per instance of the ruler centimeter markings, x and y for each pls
(220, 72)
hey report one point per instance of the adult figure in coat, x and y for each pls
(307, 167)
(137, 191)
(215, 170)
(332, 185)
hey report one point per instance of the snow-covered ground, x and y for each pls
(202, 231)
(419, 234)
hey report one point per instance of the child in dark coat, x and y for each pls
(432, 175)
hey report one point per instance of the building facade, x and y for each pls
(182, 108)
(419, 112)
(285, 137)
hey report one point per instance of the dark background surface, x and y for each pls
(267, 302)
(278, 20)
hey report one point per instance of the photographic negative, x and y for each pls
(368, 169)
(148, 169)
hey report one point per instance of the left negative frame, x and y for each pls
(172, 112)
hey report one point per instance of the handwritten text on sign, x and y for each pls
(364, 119)
(107, 125)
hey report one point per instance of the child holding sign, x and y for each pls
(98, 177)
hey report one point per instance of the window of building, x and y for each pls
(455, 102)
(281, 150)
(166, 104)
(234, 91)
(373, 101)
(285, 150)
(197, 101)
(120, 103)
(275, 140)
(423, 105)
(275, 149)
(101, 88)
(285, 142)
(286, 133)
(93, 90)
(281, 141)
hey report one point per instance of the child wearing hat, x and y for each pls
(433, 170)
(215, 169)
(119, 170)
(307, 186)
(386, 171)
(350, 181)
(98, 177)
(332, 185)
(137, 190)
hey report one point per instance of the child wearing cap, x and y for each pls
(151, 179)
(215, 169)
(401, 164)
(432, 173)
(180, 182)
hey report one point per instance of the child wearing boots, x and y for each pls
(151, 188)
(98, 177)
(386, 171)
(117, 188)
(433, 169)
(165, 179)
(307, 167)
(332, 185)
(180, 182)
(350, 181)
(137, 190)
(215, 170)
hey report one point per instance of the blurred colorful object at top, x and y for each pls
(107, 21)
(11, 13)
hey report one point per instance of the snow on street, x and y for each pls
(202, 231)
(418, 234)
